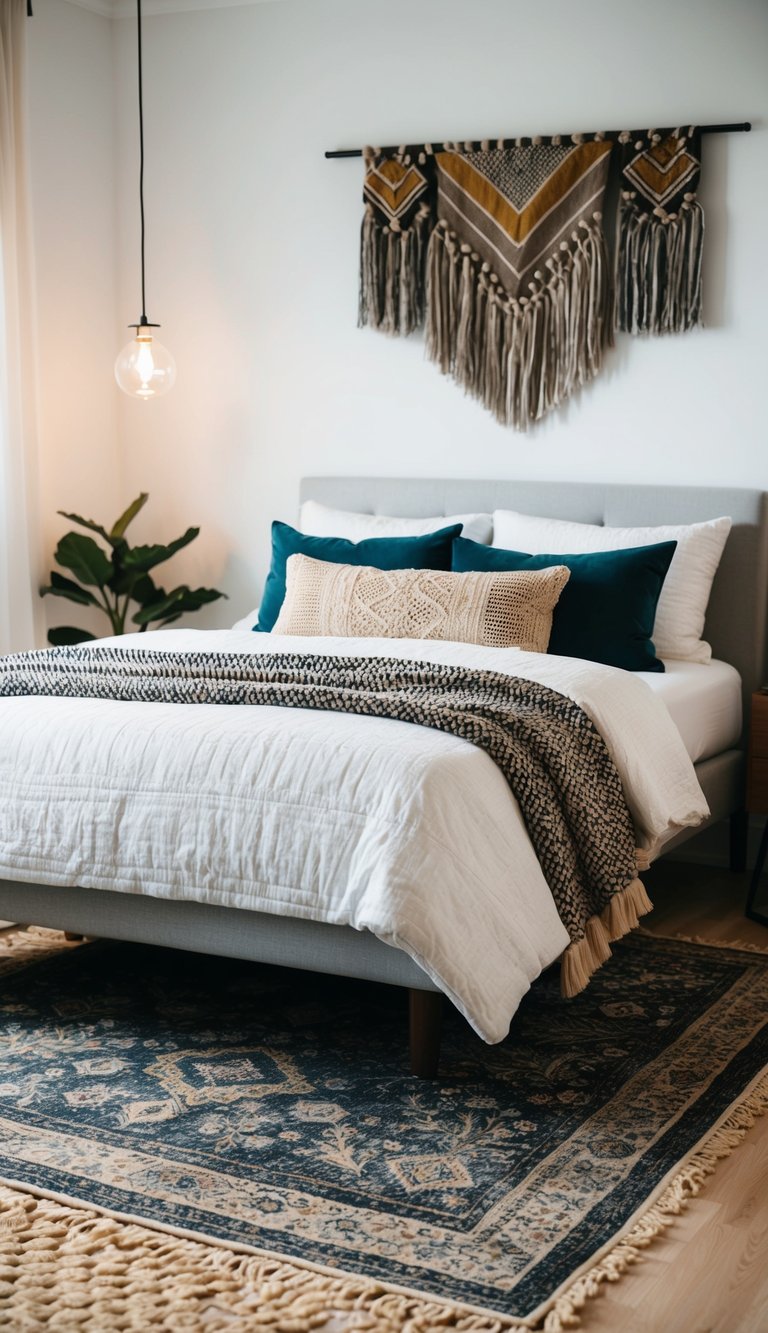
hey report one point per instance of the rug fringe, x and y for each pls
(110, 1267)
(582, 958)
(110, 1274)
(118, 1271)
(687, 1183)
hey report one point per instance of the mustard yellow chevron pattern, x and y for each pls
(518, 224)
(515, 206)
(394, 187)
(661, 171)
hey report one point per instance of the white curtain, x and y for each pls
(20, 614)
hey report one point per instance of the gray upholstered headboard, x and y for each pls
(736, 619)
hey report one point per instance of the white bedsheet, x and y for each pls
(704, 702)
(368, 822)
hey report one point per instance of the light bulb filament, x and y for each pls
(145, 365)
(145, 369)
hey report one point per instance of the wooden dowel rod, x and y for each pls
(737, 127)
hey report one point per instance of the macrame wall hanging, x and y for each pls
(499, 250)
(660, 234)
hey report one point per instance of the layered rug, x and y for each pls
(191, 1142)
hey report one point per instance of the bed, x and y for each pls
(703, 700)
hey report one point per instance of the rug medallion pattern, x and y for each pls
(273, 1108)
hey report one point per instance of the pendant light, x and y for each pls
(144, 369)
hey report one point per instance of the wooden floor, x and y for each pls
(709, 1274)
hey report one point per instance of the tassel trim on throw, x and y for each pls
(520, 357)
(392, 272)
(582, 958)
(658, 267)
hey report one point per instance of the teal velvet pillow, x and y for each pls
(432, 551)
(606, 609)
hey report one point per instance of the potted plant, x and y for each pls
(117, 581)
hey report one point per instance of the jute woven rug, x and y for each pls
(197, 1143)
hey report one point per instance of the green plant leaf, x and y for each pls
(85, 523)
(142, 558)
(87, 561)
(145, 590)
(120, 582)
(64, 636)
(61, 587)
(118, 528)
(123, 580)
(159, 608)
(175, 603)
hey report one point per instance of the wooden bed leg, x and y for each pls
(426, 1017)
(738, 840)
(70, 935)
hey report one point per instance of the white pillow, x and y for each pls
(682, 605)
(247, 622)
(319, 521)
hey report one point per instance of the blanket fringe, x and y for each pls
(392, 266)
(520, 357)
(658, 267)
(582, 958)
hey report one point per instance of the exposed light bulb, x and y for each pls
(145, 369)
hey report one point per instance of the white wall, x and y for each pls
(252, 253)
(71, 152)
(254, 243)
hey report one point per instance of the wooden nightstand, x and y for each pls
(757, 798)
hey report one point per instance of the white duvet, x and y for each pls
(367, 822)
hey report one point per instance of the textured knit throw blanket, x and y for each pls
(500, 251)
(554, 759)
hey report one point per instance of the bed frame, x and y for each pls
(735, 626)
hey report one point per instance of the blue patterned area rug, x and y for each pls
(271, 1110)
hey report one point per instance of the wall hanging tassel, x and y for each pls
(524, 321)
(393, 241)
(522, 338)
(660, 233)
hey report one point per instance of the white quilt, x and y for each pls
(368, 822)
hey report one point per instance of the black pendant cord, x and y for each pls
(143, 322)
(742, 126)
(141, 168)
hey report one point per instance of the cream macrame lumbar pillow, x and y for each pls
(501, 610)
